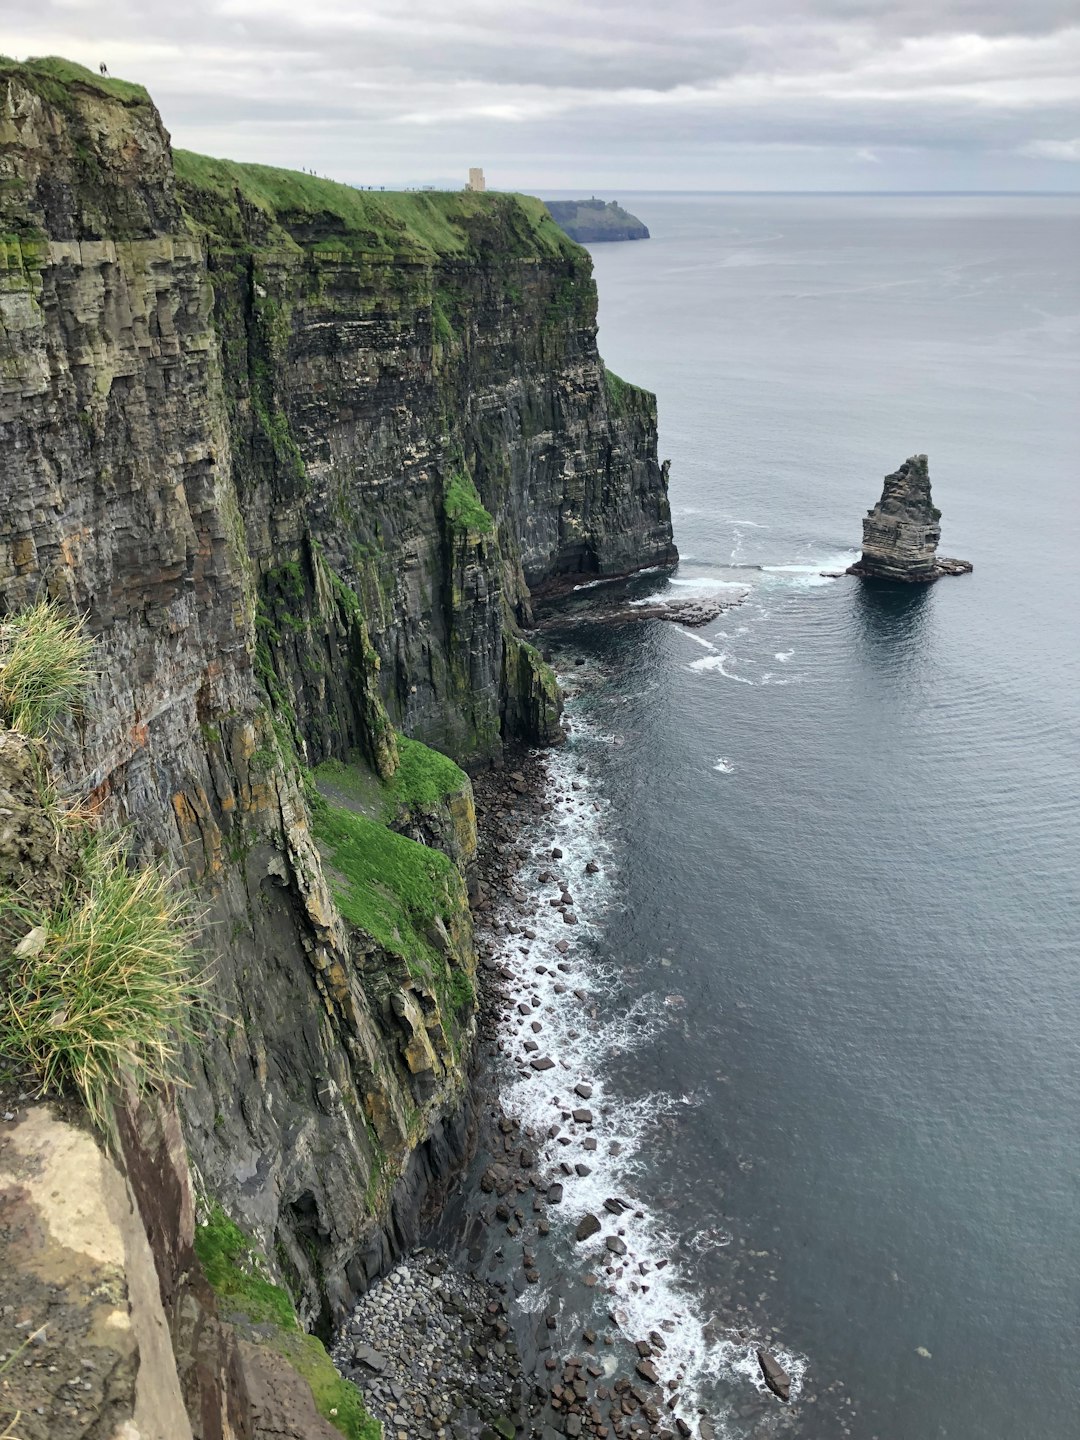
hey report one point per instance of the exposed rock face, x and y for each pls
(300, 461)
(901, 532)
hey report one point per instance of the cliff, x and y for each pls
(589, 221)
(300, 455)
(902, 531)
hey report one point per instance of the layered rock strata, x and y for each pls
(902, 531)
(300, 455)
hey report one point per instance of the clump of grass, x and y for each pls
(425, 778)
(44, 667)
(99, 988)
(464, 508)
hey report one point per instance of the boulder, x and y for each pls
(775, 1376)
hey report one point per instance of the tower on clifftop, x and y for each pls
(476, 178)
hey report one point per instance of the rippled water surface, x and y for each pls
(833, 951)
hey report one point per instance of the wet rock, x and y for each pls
(774, 1374)
(582, 1117)
(543, 1062)
(588, 1226)
(583, 1089)
(647, 1371)
(615, 1245)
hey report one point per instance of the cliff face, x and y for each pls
(901, 532)
(300, 454)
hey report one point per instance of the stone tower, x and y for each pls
(476, 178)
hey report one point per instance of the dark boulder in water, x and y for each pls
(776, 1377)
(901, 532)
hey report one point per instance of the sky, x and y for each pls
(551, 95)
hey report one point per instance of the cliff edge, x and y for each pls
(300, 455)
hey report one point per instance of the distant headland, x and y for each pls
(588, 221)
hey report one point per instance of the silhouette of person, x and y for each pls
(103, 68)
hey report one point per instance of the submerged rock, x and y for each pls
(901, 532)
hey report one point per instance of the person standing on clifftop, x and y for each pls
(103, 68)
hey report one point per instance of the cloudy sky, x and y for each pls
(627, 94)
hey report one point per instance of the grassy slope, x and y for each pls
(52, 76)
(421, 224)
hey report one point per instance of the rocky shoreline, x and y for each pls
(434, 1349)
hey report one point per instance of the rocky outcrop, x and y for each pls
(300, 455)
(589, 221)
(901, 532)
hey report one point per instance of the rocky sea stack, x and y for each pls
(901, 532)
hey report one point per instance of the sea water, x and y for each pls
(832, 952)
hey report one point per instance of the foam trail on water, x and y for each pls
(585, 1025)
(699, 638)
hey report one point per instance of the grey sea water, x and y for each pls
(833, 956)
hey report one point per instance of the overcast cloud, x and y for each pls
(627, 94)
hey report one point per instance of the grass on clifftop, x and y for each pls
(422, 223)
(65, 73)
(235, 1271)
(44, 667)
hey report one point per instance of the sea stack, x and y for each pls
(901, 532)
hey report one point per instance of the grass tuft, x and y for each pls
(464, 508)
(44, 667)
(98, 989)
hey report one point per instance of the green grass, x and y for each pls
(464, 508)
(424, 777)
(231, 1266)
(420, 224)
(64, 74)
(100, 987)
(386, 884)
(235, 1270)
(424, 780)
(619, 392)
(44, 667)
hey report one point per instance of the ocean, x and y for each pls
(831, 956)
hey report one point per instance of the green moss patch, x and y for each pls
(232, 1268)
(464, 508)
(424, 778)
(388, 885)
(236, 1271)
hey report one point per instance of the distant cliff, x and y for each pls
(300, 454)
(588, 221)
